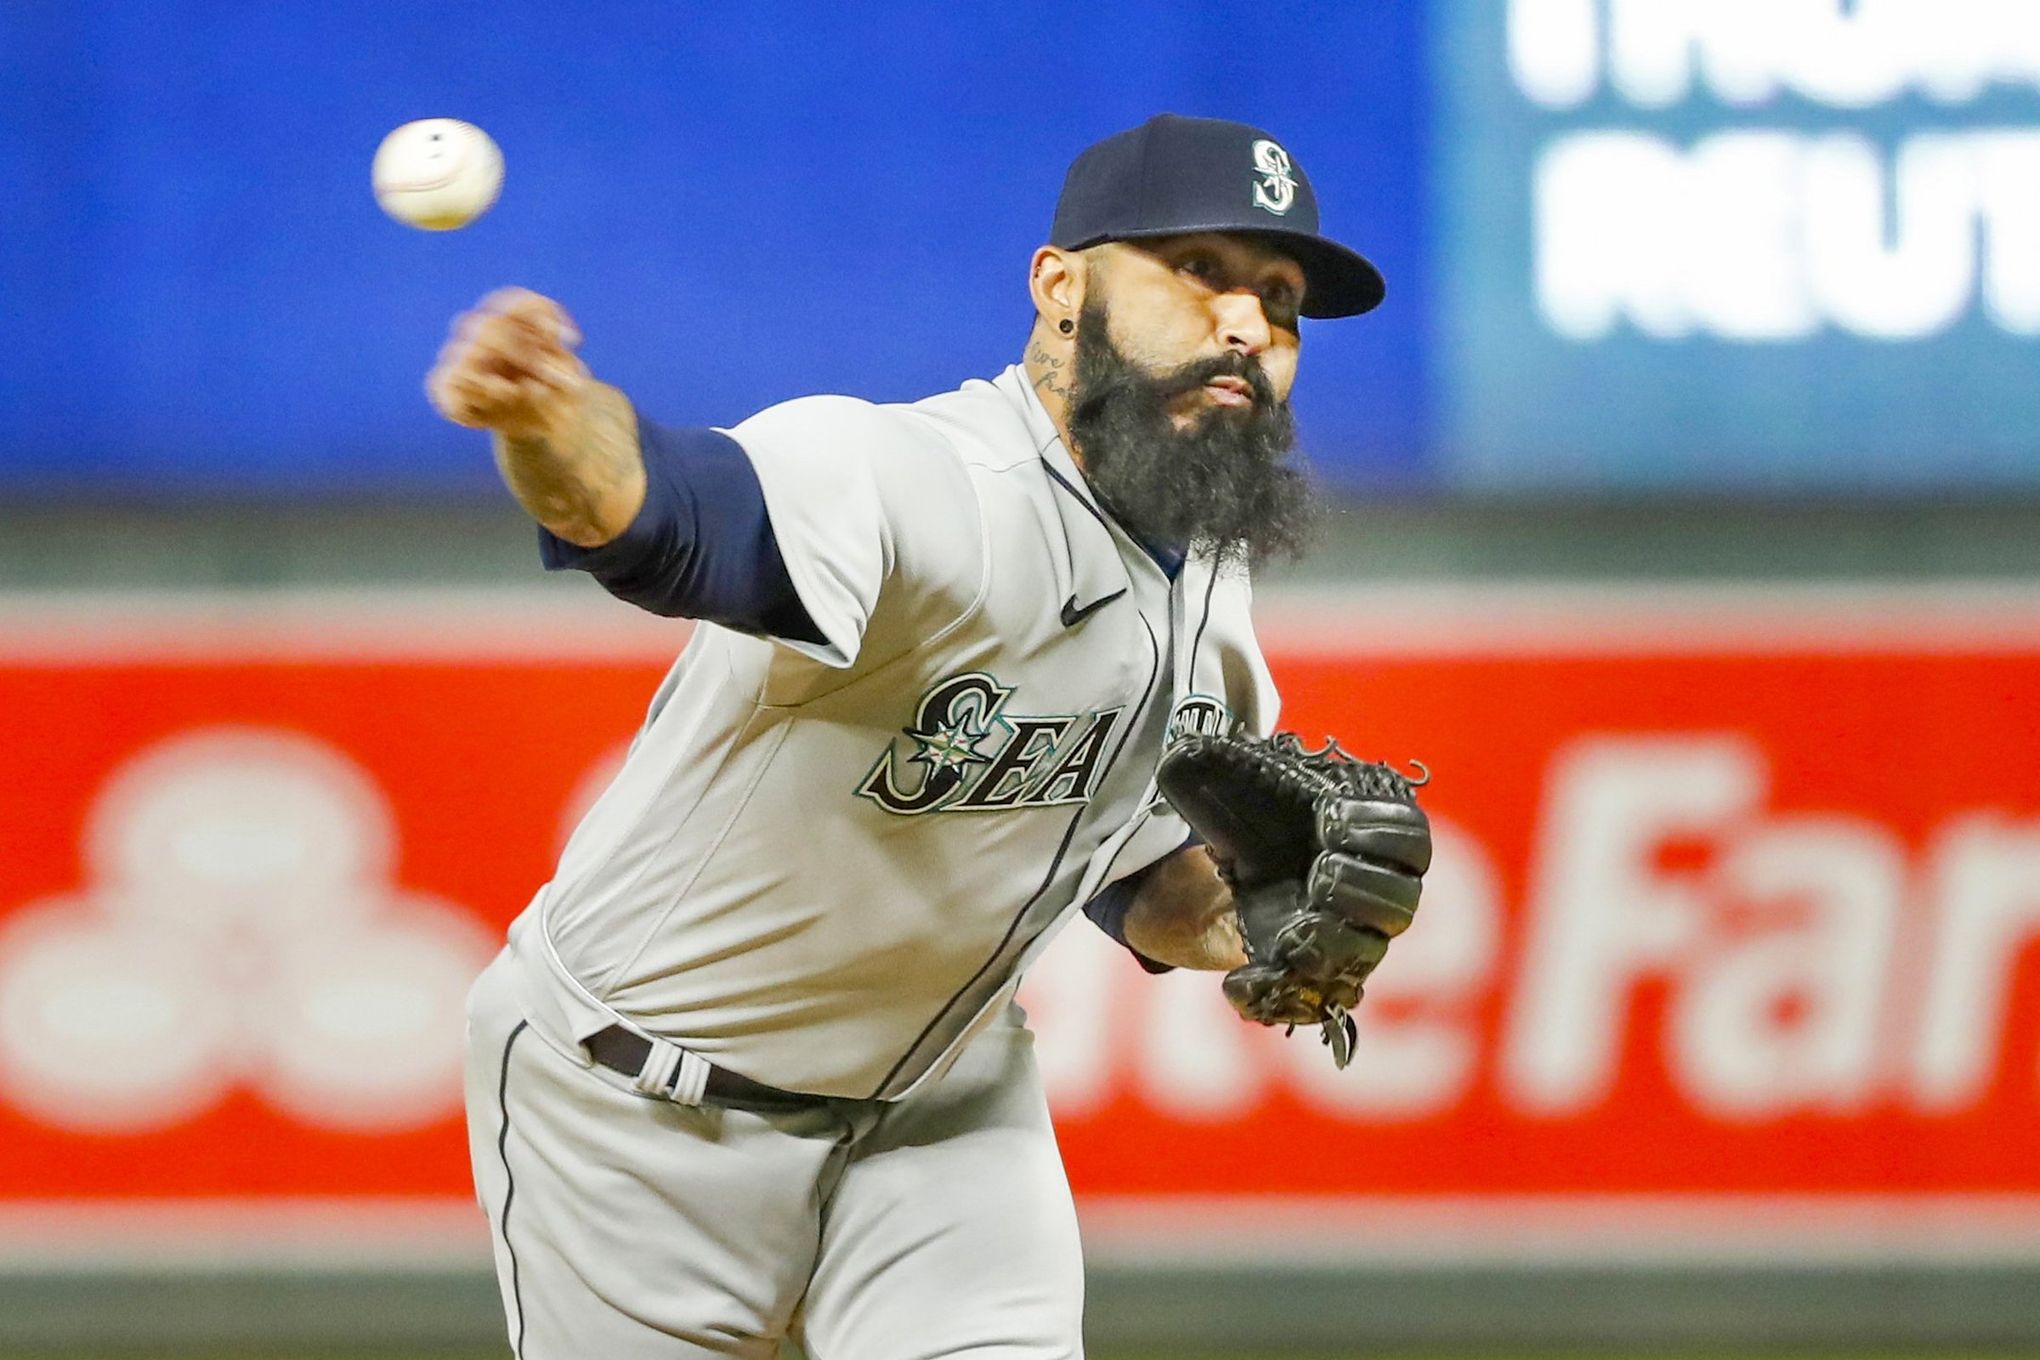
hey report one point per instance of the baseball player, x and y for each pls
(749, 1067)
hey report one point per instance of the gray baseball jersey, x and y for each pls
(824, 865)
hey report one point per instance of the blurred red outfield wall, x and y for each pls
(1735, 895)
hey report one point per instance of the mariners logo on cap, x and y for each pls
(1276, 188)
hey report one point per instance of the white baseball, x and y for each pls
(437, 173)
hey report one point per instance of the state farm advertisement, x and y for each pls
(1742, 906)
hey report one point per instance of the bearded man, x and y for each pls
(749, 1067)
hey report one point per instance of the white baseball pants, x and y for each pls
(629, 1228)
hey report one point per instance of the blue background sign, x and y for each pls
(1784, 246)
(1752, 247)
(739, 204)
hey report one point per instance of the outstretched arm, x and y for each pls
(673, 521)
(566, 445)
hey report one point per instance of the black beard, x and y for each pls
(1221, 483)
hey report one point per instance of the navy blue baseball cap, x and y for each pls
(1173, 175)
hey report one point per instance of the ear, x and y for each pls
(1055, 280)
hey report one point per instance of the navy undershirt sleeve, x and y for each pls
(702, 545)
(1108, 909)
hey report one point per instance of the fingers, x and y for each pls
(534, 311)
(517, 336)
(513, 342)
(494, 352)
(509, 364)
(473, 397)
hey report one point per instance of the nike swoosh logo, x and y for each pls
(1072, 616)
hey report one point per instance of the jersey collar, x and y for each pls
(1096, 571)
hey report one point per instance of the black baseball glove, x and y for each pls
(1325, 856)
